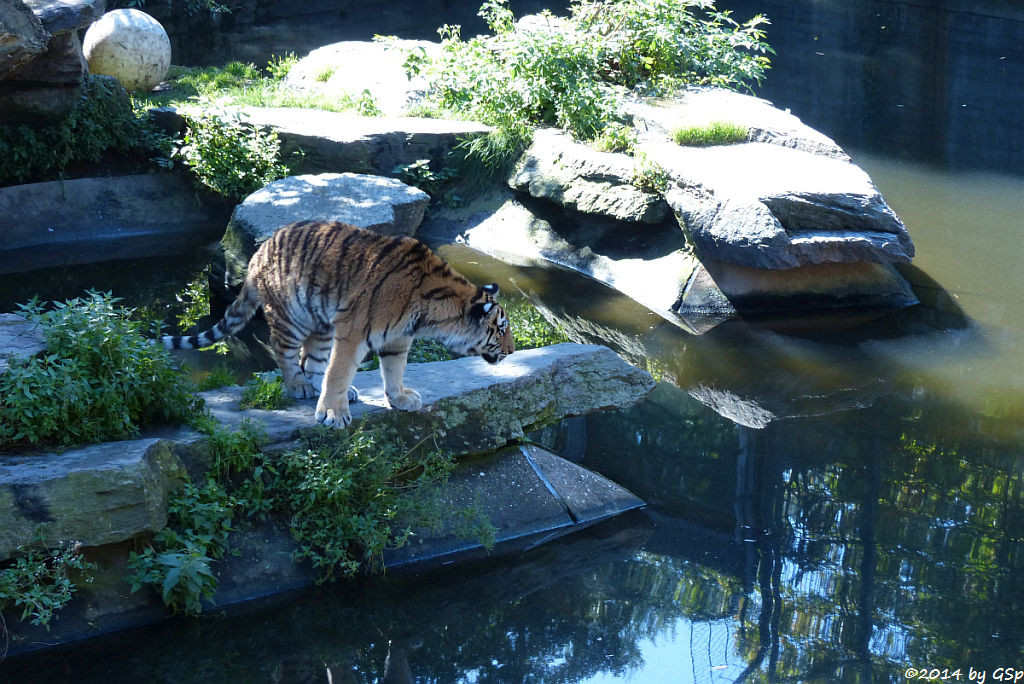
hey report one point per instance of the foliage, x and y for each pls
(650, 176)
(572, 72)
(434, 183)
(179, 560)
(530, 329)
(38, 580)
(104, 120)
(100, 378)
(219, 376)
(616, 137)
(714, 133)
(346, 495)
(279, 65)
(265, 391)
(229, 155)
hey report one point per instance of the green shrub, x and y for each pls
(229, 155)
(104, 120)
(530, 329)
(38, 581)
(650, 176)
(572, 72)
(265, 391)
(616, 137)
(349, 496)
(99, 379)
(714, 133)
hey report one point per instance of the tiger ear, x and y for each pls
(479, 310)
(491, 289)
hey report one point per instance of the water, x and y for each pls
(832, 498)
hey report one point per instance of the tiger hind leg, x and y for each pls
(285, 342)
(332, 409)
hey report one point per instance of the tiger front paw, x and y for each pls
(405, 400)
(333, 417)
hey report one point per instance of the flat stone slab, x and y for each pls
(95, 495)
(19, 338)
(87, 220)
(383, 205)
(106, 493)
(470, 405)
(339, 141)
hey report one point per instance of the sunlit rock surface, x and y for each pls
(383, 205)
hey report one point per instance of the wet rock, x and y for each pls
(101, 219)
(576, 176)
(384, 205)
(19, 338)
(339, 141)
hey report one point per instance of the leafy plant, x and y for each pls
(279, 65)
(265, 391)
(99, 379)
(229, 155)
(351, 496)
(219, 376)
(529, 327)
(104, 120)
(650, 176)
(420, 175)
(572, 72)
(714, 133)
(179, 560)
(38, 580)
(325, 74)
(616, 137)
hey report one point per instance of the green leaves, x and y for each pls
(38, 580)
(100, 379)
(229, 155)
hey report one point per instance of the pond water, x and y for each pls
(832, 498)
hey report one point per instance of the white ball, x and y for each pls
(129, 45)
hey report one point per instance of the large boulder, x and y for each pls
(46, 86)
(355, 70)
(771, 207)
(576, 176)
(22, 36)
(384, 205)
(86, 220)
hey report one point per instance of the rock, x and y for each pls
(576, 176)
(650, 265)
(100, 219)
(19, 338)
(350, 68)
(22, 36)
(95, 495)
(473, 406)
(770, 207)
(129, 45)
(384, 205)
(47, 86)
(703, 106)
(336, 142)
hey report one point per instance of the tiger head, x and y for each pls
(491, 334)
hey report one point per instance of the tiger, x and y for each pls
(332, 292)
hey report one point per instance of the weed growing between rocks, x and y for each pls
(100, 379)
(714, 133)
(265, 391)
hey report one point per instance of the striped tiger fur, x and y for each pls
(331, 292)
